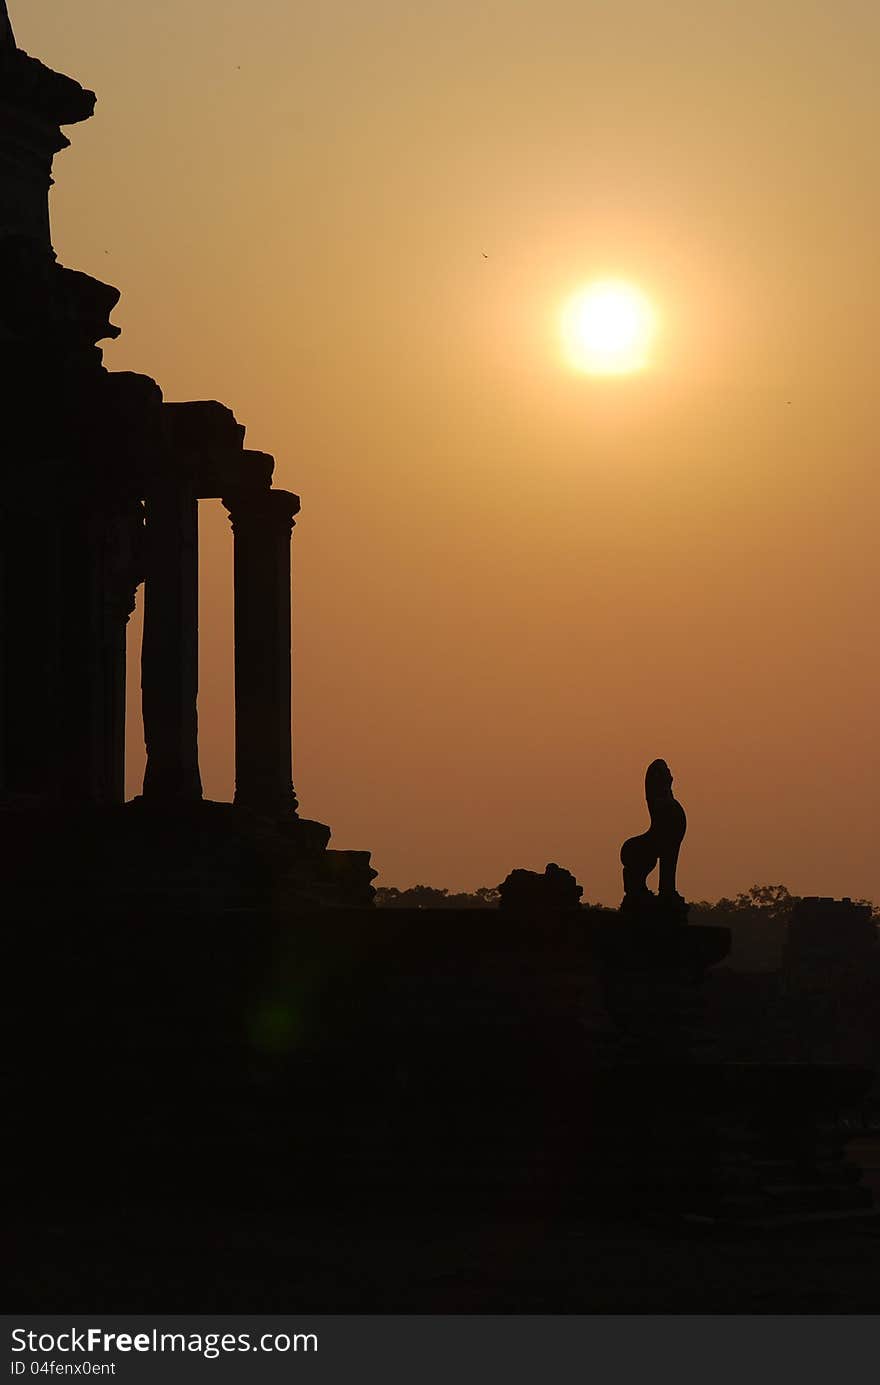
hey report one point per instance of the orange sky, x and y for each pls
(514, 585)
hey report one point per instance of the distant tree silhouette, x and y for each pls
(770, 901)
(757, 919)
(427, 897)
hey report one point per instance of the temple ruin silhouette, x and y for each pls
(210, 1014)
(101, 500)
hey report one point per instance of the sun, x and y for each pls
(608, 328)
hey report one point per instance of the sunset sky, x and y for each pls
(516, 583)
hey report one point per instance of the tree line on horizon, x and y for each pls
(766, 903)
(758, 918)
(776, 996)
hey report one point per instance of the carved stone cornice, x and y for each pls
(248, 474)
(28, 83)
(41, 300)
(206, 452)
(203, 426)
(34, 103)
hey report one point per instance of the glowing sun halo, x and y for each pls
(607, 328)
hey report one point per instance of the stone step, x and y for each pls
(762, 1221)
(816, 1197)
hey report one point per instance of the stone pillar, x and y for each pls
(77, 675)
(170, 652)
(119, 555)
(32, 653)
(4, 645)
(262, 523)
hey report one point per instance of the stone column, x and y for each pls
(75, 681)
(119, 555)
(32, 643)
(262, 523)
(170, 652)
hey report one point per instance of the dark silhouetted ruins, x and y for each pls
(222, 1058)
(101, 494)
(556, 888)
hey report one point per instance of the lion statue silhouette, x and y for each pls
(660, 844)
